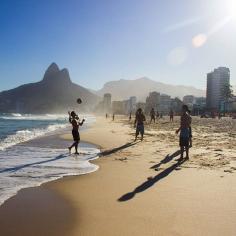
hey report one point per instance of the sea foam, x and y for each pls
(23, 167)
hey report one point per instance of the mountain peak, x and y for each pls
(64, 75)
(54, 94)
(51, 71)
(53, 67)
(54, 74)
(141, 87)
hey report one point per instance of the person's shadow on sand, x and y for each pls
(167, 159)
(114, 150)
(150, 182)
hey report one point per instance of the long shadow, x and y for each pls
(150, 182)
(111, 151)
(167, 159)
(19, 167)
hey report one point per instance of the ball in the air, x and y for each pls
(79, 101)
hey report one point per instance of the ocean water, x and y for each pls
(28, 164)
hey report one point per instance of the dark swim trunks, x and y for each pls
(140, 129)
(184, 137)
(75, 134)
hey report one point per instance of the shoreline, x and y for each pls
(51, 141)
(155, 196)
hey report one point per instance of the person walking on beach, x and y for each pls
(139, 123)
(157, 115)
(171, 115)
(152, 114)
(113, 117)
(74, 120)
(184, 129)
(130, 116)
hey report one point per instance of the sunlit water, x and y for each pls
(31, 164)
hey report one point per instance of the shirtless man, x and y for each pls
(139, 123)
(74, 120)
(184, 129)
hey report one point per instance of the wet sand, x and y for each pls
(139, 188)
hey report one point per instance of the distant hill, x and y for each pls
(54, 94)
(123, 89)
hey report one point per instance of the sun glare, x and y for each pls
(231, 9)
(199, 40)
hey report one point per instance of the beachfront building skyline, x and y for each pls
(118, 107)
(152, 101)
(132, 103)
(125, 106)
(216, 81)
(107, 102)
(165, 104)
(188, 99)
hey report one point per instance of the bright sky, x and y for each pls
(172, 41)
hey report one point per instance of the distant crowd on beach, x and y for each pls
(184, 130)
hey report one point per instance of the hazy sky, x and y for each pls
(172, 41)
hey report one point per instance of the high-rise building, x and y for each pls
(216, 81)
(107, 102)
(152, 101)
(132, 104)
(165, 104)
(188, 99)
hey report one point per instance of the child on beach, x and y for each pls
(139, 123)
(74, 120)
(184, 129)
(152, 115)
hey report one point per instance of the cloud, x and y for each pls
(182, 24)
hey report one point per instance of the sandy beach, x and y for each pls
(140, 188)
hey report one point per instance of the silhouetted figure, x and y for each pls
(113, 117)
(190, 133)
(74, 120)
(213, 115)
(157, 115)
(184, 138)
(152, 115)
(161, 116)
(139, 123)
(106, 115)
(171, 115)
(130, 116)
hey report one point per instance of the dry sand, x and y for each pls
(140, 189)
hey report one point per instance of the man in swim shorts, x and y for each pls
(139, 123)
(74, 120)
(184, 129)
